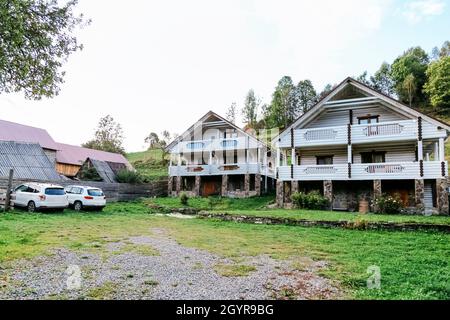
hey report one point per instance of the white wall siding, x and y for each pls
(340, 118)
(402, 153)
(308, 157)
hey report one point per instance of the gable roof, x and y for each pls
(76, 155)
(11, 131)
(202, 120)
(399, 106)
(28, 161)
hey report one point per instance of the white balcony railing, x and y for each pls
(360, 133)
(216, 144)
(364, 171)
(314, 172)
(216, 169)
(384, 131)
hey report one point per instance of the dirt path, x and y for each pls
(157, 267)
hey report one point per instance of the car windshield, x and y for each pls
(95, 192)
(54, 191)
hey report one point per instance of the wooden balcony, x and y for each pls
(403, 130)
(220, 169)
(364, 171)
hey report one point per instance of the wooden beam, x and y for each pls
(8, 190)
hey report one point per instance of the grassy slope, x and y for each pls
(413, 264)
(152, 172)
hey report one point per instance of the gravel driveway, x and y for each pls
(157, 267)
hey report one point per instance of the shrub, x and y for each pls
(214, 202)
(184, 199)
(129, 176)
(390, 204)
(89, 174)
(313, 200)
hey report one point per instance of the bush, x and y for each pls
(313, 200)
(129, 176)
(184, 199)
(89, 174)
(389, 204)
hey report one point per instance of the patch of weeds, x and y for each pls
(103, 292)
(151, 282)
(197, 266)
(287, 294)
(234, 270)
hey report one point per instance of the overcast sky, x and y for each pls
(160, 65)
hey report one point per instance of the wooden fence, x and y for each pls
(112, 191)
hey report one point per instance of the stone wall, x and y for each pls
(328, 191)
(442, 196)
(419, 194)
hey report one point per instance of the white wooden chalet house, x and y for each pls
(215, 157)
(356, 144)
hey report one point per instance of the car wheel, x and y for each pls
(31, 207)
(77, 206)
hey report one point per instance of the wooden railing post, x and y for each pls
(8, 190)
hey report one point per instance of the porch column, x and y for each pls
(420, 146)
(170, 186)
(436, 152)
(224, 190)
(441, 150)
(247, 185)
(280, 193)
(349, 148)
(377, 192)
(294, 186)
(419, 192)
(328, 192)
(258, 184)
(277, 160)
(442, 196)
(198, 180)
(178, 185)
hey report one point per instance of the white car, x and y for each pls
(36, 196)
(82, 197)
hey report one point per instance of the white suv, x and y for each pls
(35, 196)
(81, 197)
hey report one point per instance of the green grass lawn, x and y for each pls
(256, 206)
(216, 203)
(414, 265)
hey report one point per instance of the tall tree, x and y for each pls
(382, 80)
(363, 78)
(108, 136)
(328, 88)
(410, 87)
(36, 38)
(307, 95)
(438, 84)
(152, 140)
(281, 110)
(414, 61)
(232, 113)
(250, 109)
(444, 51)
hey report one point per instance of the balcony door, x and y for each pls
(373, 157)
